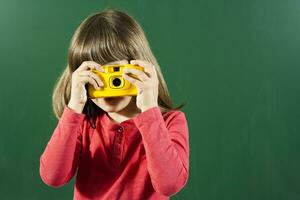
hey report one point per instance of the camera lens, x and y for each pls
(116, 82)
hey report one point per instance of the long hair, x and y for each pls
(104, 37)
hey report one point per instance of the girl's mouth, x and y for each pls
(111, 98)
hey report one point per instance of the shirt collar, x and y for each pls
(112, 125)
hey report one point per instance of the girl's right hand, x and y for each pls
(80, 77)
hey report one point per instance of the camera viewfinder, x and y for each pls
(116, 69)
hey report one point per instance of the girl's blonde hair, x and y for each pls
(104, 37)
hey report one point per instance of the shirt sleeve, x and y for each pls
(59, 160)
(167, 149)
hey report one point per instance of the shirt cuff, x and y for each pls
(70, 116)
(150, 115)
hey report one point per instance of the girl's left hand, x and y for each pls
(147, 84)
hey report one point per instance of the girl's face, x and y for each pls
(113, 104)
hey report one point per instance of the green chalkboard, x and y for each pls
(236, 63)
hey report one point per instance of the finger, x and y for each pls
(88, 76)
(87, 79)
(93, 75)
(140, 74)
(149, 68)
(86, 65)
(134, 81)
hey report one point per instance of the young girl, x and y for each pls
(123, 148)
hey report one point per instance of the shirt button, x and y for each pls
(120, 129)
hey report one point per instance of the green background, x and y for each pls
(235, 62)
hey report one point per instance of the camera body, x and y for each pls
(114, 84)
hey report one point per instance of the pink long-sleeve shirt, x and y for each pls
(145, 157)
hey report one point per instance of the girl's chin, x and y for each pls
(112, 103)
(109, 109)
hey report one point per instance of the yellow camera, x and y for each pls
(114, 84)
